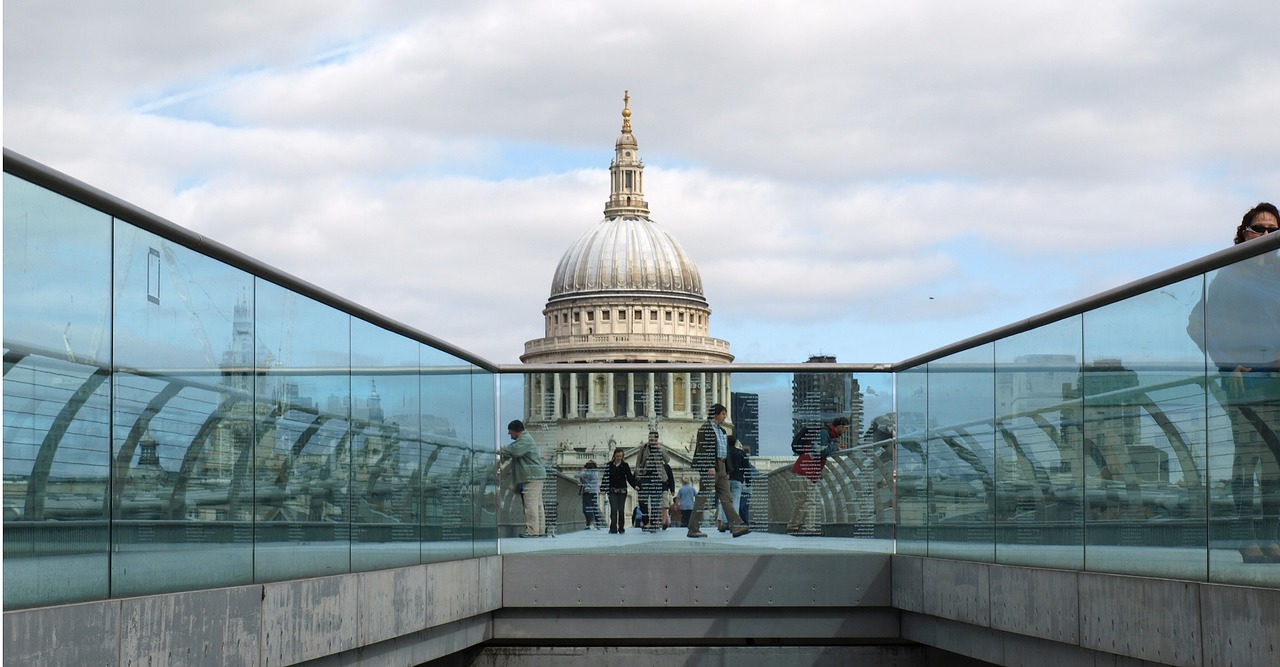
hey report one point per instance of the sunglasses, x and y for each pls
(1260, 229)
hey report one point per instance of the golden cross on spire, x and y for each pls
(626, 111)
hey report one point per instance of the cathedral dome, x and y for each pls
(626, 254)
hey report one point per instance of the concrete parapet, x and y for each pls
(305, 619)
(1011, 615)
(215, 627)
(414, 613)
(1149, 619)
(74, 634)
(1240, 626)
(528, 608)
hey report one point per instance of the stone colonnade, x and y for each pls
(662, 395)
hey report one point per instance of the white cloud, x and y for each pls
(819, 165)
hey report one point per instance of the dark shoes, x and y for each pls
(698, 534)
(740, 531)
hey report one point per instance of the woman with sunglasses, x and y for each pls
(1238, 324)
(1261, 220)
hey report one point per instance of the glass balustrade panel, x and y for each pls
(301, 456)
(386, 448)
(57, 398)
(911, 459)
(482, 474)
(1238, 329)
(961, 455)
(1144, 428)
(1039, 448)
(183, 418)
(447, 431)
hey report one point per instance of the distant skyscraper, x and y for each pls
(818, 398)
(746, 419)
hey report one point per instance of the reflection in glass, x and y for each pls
(851, 498)
(961, 446)
(845, 491)
(483, 479)
(57, 342)
(447, 427)
(1143, 419)
(182, 411)
(301, 456)
(1039, 453)
(386, 449)
(57, 271)
(912, 476)
(1241, 315)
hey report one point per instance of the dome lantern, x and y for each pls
(627, 252)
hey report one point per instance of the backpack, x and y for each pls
(804, 440)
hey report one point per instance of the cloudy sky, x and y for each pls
(870, 180)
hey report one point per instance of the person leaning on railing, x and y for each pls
(527, 474)
(818, 444)
(1238, 324)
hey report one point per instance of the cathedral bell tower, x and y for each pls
(626, 192)
(624, 292)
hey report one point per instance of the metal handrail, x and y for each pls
(60, 183)
(1217, 260)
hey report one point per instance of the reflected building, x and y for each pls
(1034, 382)
(1113, 439)
(624, 292)
(275, 453)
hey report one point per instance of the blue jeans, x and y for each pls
(735, 490)
(590, 508)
